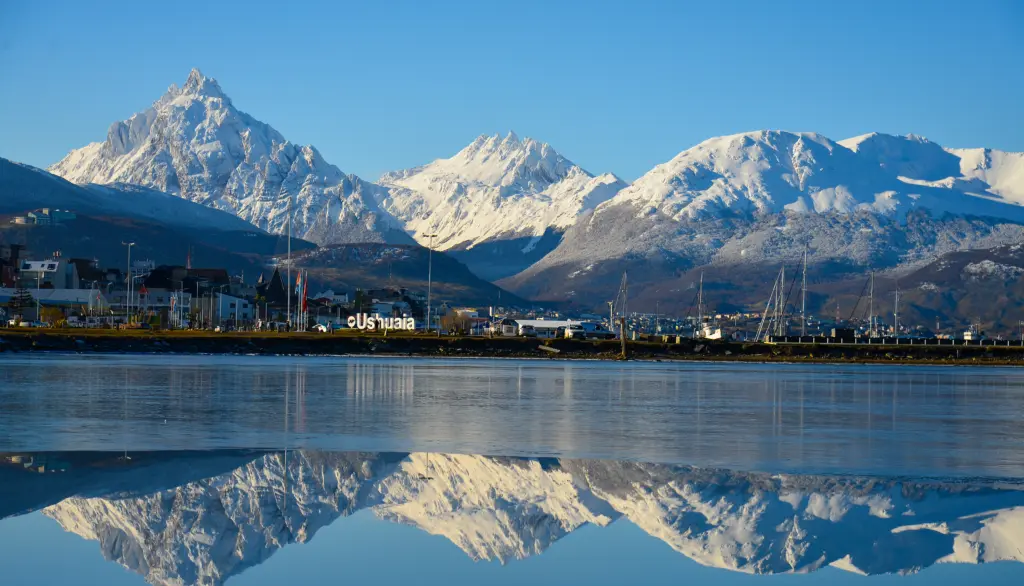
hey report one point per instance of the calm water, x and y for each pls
(201, 470)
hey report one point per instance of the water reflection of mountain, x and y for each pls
(206, 524)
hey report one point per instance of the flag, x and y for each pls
(298, 284)
(305, 304)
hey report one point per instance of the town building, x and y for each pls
(333, 298)
(233, 309)
(54, 273)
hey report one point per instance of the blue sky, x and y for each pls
(614, 86)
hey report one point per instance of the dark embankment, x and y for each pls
(107, 341)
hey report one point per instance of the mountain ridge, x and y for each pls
(505, 509)
(765, 197)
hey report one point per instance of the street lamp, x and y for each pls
(430, 266)
(128, 303)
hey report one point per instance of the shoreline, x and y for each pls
(81, 341)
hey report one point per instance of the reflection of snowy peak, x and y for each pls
(206, 531)
(506, 508)
(194, 143)
(496, 190)
(766, 524)
(492, 508)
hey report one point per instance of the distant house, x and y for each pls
(155, 299)
(55, 273)
(47, 217)
(382, 308)
(333, 298)
(230, 308)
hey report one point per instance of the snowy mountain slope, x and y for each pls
(509, 508)
(194, 143)
(501, 201)
(917, 160)
(762, 197)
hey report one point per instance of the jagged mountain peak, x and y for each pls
(199, 85)
(194, 143)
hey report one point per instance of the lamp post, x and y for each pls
(430, 270)
(128, 302)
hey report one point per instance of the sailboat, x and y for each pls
(705, 330)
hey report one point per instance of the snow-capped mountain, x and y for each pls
(500, 204)
(504, 509)
(986, 173)
(764, 196)
(194, 143)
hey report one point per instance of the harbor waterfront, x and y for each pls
(403, 343)
(212, 470)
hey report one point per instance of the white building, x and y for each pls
(56, 272)
(70, 301)
(154, 299)
(230, 308)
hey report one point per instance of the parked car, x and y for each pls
(575, 332)
(597, 331)
(527, 331)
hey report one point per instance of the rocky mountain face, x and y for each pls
(500, 204)
(514, 209)
(765, 197)
(505, 509)
(194, 143)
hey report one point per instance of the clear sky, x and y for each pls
(614, 86)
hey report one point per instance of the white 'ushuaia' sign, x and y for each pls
(373, 322)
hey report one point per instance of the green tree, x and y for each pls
(20, 301)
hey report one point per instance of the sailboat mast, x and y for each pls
(896, 312)
(288, 279)
(625, 293)
(782, 302)
(803, 299)
(700, 303)
(871, 306)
